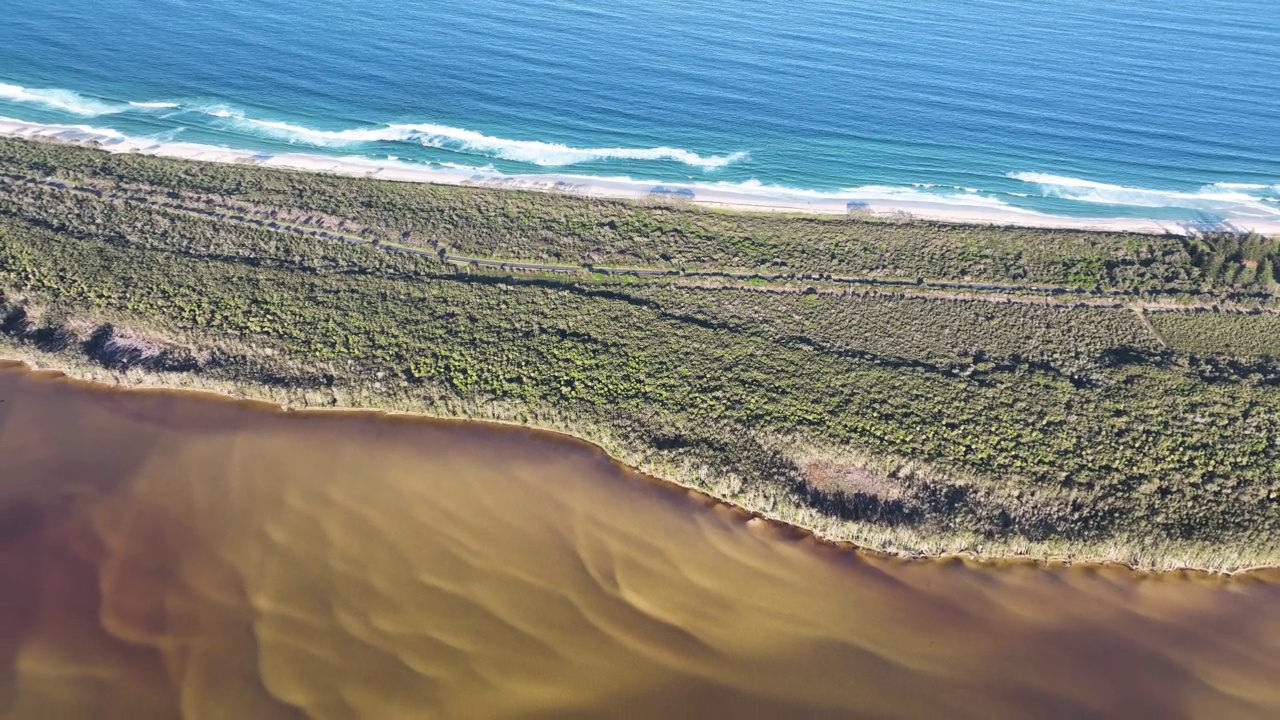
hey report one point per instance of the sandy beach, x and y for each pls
(883, 202)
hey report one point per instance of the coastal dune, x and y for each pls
(207, 558)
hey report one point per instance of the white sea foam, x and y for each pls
(10, 127)
(1241, 186)
(1223, 199)
(222, 111)
(536, 152)
(64, 100)
(900, 196)
(154, 105)
(749, 195)
(926, 186)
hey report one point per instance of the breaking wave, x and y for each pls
(1226, 199)
(56, 99)
(1219, 202)
(431, 135)
(70, 101)
(727, 191)
(444, 137)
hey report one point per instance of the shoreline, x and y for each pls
(211, 392)
(777, 471)
(884, 204)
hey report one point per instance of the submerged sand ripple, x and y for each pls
(165, 555)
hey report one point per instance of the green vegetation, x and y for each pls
(1004, 417)
(545, 227)
(943, 332)
(1217, 333)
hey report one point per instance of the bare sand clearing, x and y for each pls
(167, 555)
(880, 202)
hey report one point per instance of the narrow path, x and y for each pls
(1142, 318)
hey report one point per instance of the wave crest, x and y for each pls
(928, 203)
(56, 99)
(1229, 199)
(535, 152)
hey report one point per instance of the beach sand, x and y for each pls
(875, 202)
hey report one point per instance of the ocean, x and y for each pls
(1061, 108)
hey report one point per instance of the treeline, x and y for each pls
(1233, 260)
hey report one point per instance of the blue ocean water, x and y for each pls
(1110, 108)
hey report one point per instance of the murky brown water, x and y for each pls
(165, 555)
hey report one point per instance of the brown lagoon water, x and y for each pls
(170, 555)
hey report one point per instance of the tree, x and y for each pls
(1267, 277)
(1247, 275)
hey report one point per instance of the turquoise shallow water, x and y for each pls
(1073, 107)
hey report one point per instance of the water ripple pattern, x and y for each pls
(196, 557)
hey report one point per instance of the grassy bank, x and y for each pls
(1036, 406)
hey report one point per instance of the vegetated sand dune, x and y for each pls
(166, 555)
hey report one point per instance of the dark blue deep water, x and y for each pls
(1166, 108)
